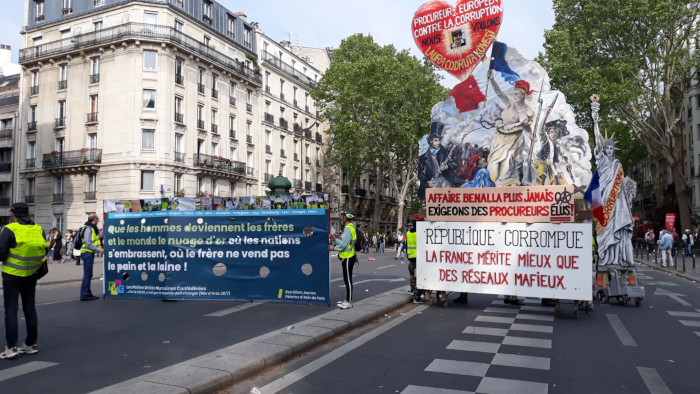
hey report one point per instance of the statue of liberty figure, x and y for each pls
(615, 223)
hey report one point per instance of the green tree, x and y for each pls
(639, 56)
(379, 100)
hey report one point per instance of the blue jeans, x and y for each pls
(13, 287)
(689, 249)
(88, 260)
(381, 247)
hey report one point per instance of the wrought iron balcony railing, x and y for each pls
(297, 128)
(34, 90)
(60, 123)
(232, 134)
(58, 197)
(91, 195)
(308, 134)
(179, 157)
(92, 117)
(215, 129)
(268, 89)
(268, 177)
(215, 94)
(179, 79)
(283, 153)
(94, 78)
(288, 69)
(345, 189)
(232, 101)
(249, 139)
(144, 32)
(319, 137)
(62, 85)
(72, 158)
(179, 118)
(39, 18)
(29, 199)
(298, 184)
(268, 149)
(307, 160)
(200, 124)
(220, 164)
(31, 163)
(361, 192)
(249, 108)
(319, 187)
(269, 118)
(296, 157)
(308, 186)
(284, 124)
(6, 133)
(31, 126)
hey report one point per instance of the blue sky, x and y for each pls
(320, 23)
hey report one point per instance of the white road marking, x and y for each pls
(338, 279)
(653, 381)
(496, 332)
(387, 266)
(234, 309)
(507, 386)
(697, 333)
(621, 330)
(549, 309)
(321, 362)
(520, 361)
(24, 369)
(377, 280)
(532, 328)
(672, 295)
(527, 316)
(494, 319)
(690, 323)
(683, 314)
(431, 390)
(467, 368)
(501, 310)
(471, 346)
(528, 342)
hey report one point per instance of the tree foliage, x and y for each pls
(379, 101)
(638, 55)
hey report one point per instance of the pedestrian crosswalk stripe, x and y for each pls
(690, 323)
(697, 333)
(20, 370)
(501, 310)
(532, 328)
(528, 342)
(537, 308)
(520, 361)
(683, 314)
(494, 319)
(527, 316)
(467, 368)
(496, 332)
(508, 386)
(470, 346)
(431, 390)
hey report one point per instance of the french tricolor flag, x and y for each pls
(593, 196)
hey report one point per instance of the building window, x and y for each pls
(248, 190)
(231, 188)
(247, 37)
(35, 80)
(178, 144)
(214, 117)
(206, 10)
(179, 72)
(61, 114)
(147, 178)
(92, 141)
(231, 27)
(95, 70)
(150, 18)
(214, 187)
(62, 77)
(67, 7)
(179, 188)
(31, 150)
(58, 223)
(249, 160)
(178, 110)
(249, 128)
(57, 185)
(207, 41)
(91, 185)
(31, 187)
(200, 185)
(214, 149)
(148, 139)
(39, 11)
(200, 113)
(249, 97)
(233, 152)
(149, 99)
(150, 59)
(232, 122)
(178, 25)
(97, 25)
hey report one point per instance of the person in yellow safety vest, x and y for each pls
(346, 252)
(90, 236)
(412, 253)
(23, 249)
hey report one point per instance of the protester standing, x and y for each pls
(381, 243)
(649, 239)
(664, 245)
(346, 253)
(57, 247)
(411, 252)
(23, 249)
(688, 242)
(91, 244)
(400, 244)
(365, 248)
(676, 241)
(69, 244)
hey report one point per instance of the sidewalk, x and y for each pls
(68, 272)
(692, 264)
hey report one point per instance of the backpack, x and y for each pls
(360, 238)
(78, 242)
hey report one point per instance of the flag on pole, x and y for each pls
(467, 95)
(593, 196)
(500, 64)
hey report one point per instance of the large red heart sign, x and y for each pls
(457, 38)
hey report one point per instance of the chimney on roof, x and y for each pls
(242, 15)
(255, 25)
(285, 43)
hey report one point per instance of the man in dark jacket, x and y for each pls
(20, 263)
(435, 169)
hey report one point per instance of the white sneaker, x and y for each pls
(345, 305)
(9, 352)
(340, 302)
(28, 349)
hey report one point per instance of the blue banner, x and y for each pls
(271, 255)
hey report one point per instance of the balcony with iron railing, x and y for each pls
(297, 128)
(179, 79)
(269, 118)
(219, 164)
(283, 153)
(268, 90)
(200, 88)
(71, 158)
(298, 184)
(206, 19)
(307, 160)
(287, 69)
(62, 85)
(5, 133)
(30, 163)
(179, 157)
(58, 197)
(92, 117)
(284, 124)
(214, 129)
(67, 11)
(6, 167)
(308, 186)
(319, 137)
(319, 188)
(268, 149)
(29, 199)
(296, 157)
(232, 101)
(345, 189)
(91, 195)
(249, 108)
(60, 123)
(94, 78)
(215, 94)
(39, 18)
(31, 126)
(308, 134)
(34, 90)
(249, 139)
(179, 118)
(232, 134)
(200, 124)
(269, 177)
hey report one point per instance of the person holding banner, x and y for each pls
(346, 252)
(91, 244)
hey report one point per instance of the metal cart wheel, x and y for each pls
(626, 301)
(602, 297)
(444, 304)
(620, 299)
(638, 301)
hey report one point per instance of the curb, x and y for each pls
(226, 367)
(58, 282)
(676, 273)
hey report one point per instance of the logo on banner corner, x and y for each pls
(116, 287)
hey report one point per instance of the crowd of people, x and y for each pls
(668, 242)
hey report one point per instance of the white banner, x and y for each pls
(542, 260)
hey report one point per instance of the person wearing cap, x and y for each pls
(91, 245)
(688, 242)
(23, 249)
(346, 252)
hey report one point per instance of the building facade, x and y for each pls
(143, 99)
(9, 119)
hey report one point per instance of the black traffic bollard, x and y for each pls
(683, 262)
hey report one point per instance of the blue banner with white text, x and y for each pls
(266, 255)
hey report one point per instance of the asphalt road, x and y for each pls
(478, 348)
(86, 346)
